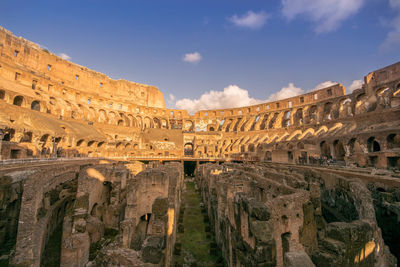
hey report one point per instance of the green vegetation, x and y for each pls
(195, 247)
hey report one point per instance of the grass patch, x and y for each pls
(194, 239)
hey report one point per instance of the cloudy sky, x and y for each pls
(215, 54)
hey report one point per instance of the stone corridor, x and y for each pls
(195, 244)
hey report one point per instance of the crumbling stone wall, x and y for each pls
(50, 107)
(277, 216)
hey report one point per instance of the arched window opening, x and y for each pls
(79, 143)
(340, 153)
(35, 105)
(393, 141)
(27, 137)
(188, 149)
(325, 150)
(373, 145)
(18, 100)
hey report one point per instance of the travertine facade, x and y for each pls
(86, 156)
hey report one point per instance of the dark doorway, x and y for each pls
(285, 242)
(189, 167)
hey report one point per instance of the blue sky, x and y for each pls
(250, 48)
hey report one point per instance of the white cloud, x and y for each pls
(192, 57)
(356, 84)
(170, 101)
(64, 56)
(324, 85)
(250, 20)
(392, 40)
(286, 92)
(326, 14)
(231, 97)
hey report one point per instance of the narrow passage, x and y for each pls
(195, 245)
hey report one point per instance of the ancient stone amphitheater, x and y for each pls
(97, 172)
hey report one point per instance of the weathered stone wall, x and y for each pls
(50, 107)
(280, 216)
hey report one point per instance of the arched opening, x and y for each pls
(340, 153)
(9, 136)
(119, 145)
(27, 137)
(351, 145)
(327, 111)
(325, 150)
(268, 156)
(298, 117)
(120, 123)
(373, 145)
(393, 141)
(90, 143)
(188, 149)
(313, 114)
(102, 116)
(147, 123)
(2, 94)
(211, 129)
(18, 100)
(286, 119)
(35, 105)
(79, 143)
(272, 121)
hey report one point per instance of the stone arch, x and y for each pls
(2, 95)
(327, 113)
(102, 116)
(286, 119)
(18, 100)
(373, 145)
(383, 97)
(26, 138)
(133, 121)
(300, 145)
(9, 135)
(147, 123)
(395, 101)
(100, 144)
(164, 124)
(360, 104)
(91, 115)
(393, 141)
(35, 105)
(298, 117)
(80, 142)
(268, 156)
(325, 149)
(271, 123)
(312, 113)
(338, 147)
(352, 146)
(90, 143)
(119, 145)
(157, 123)
(188, 149)
(140, 121)
(112, 118)
(345, 108)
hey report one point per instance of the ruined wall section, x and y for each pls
(278, 216)
(35, 63)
